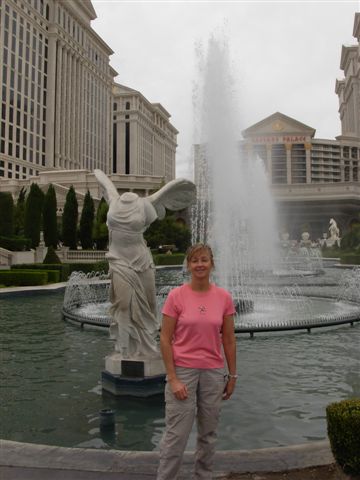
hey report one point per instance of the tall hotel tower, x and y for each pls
(56, 81)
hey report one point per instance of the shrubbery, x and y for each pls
(62, 268)
(89, 267)
(15, 243)
(350, 258)
(22, 278)
(165, 259)
(343, 424)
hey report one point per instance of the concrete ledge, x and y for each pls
(28, 455)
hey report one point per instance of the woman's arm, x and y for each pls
(229, 344)
(166, 335)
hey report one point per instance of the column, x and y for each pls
(308, 161)
(288, 163)
(269, 160)
(51, 102)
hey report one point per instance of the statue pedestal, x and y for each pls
(136, 377)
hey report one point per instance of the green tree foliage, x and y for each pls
(19, 213)
(100, 231)
(168, 232)
(33, 213)
(87, 222)
(351, 239)
(49, 218)
(7, 214)
(69, 220)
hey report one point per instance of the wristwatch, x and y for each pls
(233, 376)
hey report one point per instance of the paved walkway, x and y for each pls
(26, 461)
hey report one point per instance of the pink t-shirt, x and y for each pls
(199, 319)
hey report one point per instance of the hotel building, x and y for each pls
(144, 141)
(61, 110)
(314, 179)
(56, 88)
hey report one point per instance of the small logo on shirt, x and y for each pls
(202, 309)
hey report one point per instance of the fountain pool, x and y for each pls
(51, 391)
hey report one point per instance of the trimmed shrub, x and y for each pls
(88, 267)
(100, 230)
(62, 268)
(87, 222)
(165, 259)
(51, 256)
(343, 426)
(19, 213)
(53, 276)
(15, 244)
(7, 214)
(69, 220)
(350, 258)
(49, 218)
(33, 214)
(22, 278)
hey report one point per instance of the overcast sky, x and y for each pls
(285, 56)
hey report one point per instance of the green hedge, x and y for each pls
(350, 258)
(53, 276)
(12, 278)
(15, 243)
(343, 425)
(89, 267)
(173, 259)
(62, 268)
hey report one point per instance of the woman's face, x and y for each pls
(200, 264)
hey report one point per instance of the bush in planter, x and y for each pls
(62, 268)
(12, 278)
(343, 424)
(51, 256)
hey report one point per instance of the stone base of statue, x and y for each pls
(135, 377)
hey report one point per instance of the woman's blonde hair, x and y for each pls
(196, 248)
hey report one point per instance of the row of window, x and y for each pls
(15, 170)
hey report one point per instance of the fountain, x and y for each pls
(235, 213)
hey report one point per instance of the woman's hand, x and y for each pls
(179, 389)
(229, 388)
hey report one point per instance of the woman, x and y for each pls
(197, 320)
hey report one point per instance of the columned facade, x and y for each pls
(144, 140)
(348, 89)
(56, 85)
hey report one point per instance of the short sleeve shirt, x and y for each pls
(199, 319)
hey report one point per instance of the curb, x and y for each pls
(27, 455)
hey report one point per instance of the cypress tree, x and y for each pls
(7, 214)
(19, 213)
(33, 214)
(69, 220)
(87, 221)
(49, 218)
(101, 234)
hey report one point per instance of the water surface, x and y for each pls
(51, 391)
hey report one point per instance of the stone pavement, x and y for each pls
(25, 461)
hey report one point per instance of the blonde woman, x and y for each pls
(197, 328)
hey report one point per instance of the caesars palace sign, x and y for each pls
(279, 139)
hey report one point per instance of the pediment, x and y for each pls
(278, 124)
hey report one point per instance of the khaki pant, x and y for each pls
(205, 389)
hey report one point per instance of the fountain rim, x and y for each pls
(350, 318)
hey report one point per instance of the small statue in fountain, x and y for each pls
(334, 234)
(134, 323)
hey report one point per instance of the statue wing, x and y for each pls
(107, 185)
(175, 195)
